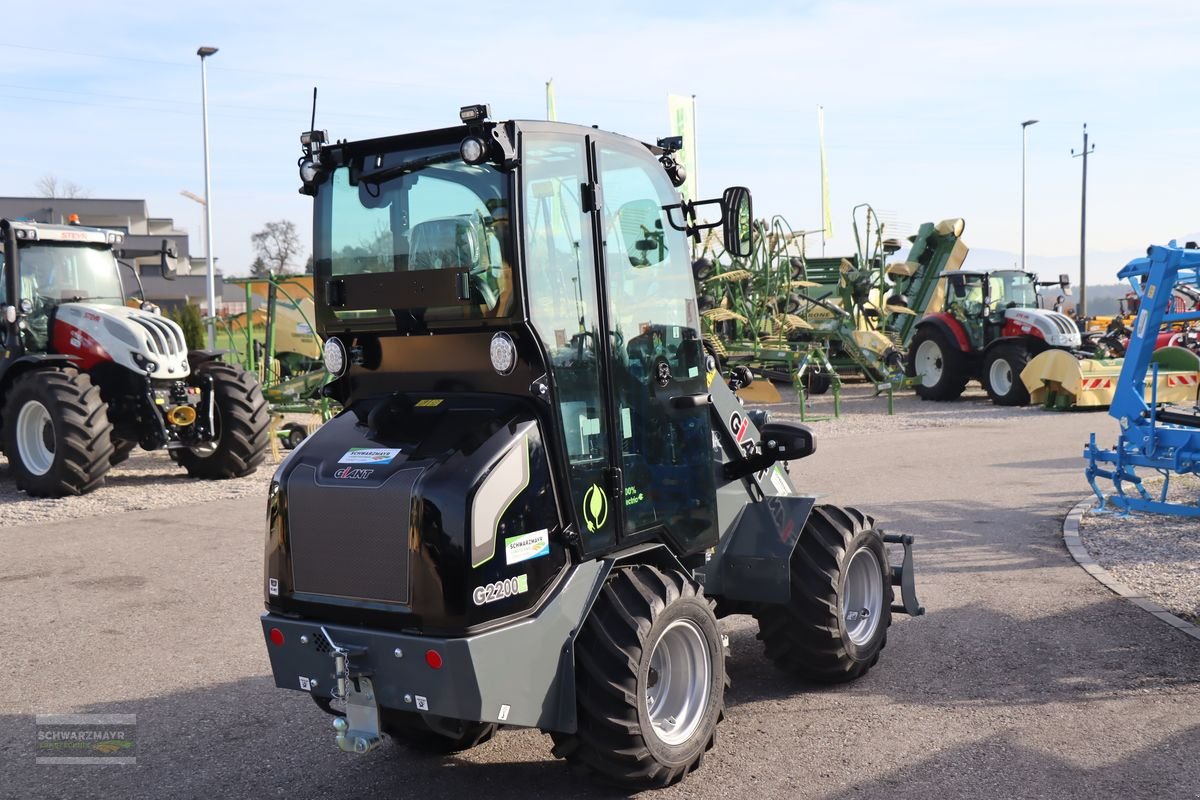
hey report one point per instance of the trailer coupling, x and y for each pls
(902, 576)
(359, 731)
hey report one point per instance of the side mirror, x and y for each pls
(1064, 281)
(781, 441)
(787, 441)
(737, 218)
(167, 264)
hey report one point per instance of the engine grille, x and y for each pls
(350, 541)
(166, 339)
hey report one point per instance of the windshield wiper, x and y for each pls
(407, 167)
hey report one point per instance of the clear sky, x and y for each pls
(923, 102)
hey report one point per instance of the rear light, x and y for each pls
(433, 658)
(276, 637)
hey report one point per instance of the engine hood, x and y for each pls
(148, 344)
(1058, 330)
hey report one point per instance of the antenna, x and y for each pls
(312, 126)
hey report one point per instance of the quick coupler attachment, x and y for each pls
(902, 576)
(358, 731)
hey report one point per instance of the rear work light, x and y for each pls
(276, 637)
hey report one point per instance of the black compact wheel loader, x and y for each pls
(541, 495)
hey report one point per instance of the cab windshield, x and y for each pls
(53, 273)
(417, 218)
(1013, 289)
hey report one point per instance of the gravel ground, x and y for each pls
(862, 412)
(146, 481)
(1153, 554)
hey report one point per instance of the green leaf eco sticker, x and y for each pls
(595, 508)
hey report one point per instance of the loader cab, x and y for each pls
(543, 260)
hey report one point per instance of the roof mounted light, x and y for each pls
(474, 114)
(309, 138)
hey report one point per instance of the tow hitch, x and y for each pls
(902, 576)
(359, 730)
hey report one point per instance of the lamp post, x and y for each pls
(205, 52)
(1024, 139)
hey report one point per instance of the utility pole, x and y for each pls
(1082, 312)
(1024, 139)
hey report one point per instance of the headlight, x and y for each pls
(503, 353)
(335, 357)
(308, 171)
(473, 150)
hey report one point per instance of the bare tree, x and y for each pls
(277, 245)
(49, 186)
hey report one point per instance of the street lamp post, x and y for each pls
(205, 52)
(1024, 139)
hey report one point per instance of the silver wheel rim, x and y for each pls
(678, 684)
(1000, 377)
(862, 596)
(929, 363)
(35, 437)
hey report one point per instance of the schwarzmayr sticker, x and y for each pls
(369, 455)
(526, 546)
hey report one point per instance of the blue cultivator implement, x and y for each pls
(1161, 437)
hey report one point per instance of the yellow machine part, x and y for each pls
(873, 341)
(1091, 383)
(761, 390)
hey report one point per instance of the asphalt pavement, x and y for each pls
(1025, 679)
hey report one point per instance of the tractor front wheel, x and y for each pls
(1002, 375)
(939, 364)
(650, 681)
(240, 420)
(835, 624)
(56, 433)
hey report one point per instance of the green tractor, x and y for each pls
(541, 495)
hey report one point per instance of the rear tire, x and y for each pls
(241, 420)
(413, 730)
(839, 568)
(56, 433)
(650, 681)
(1002, 375)
(941, 366)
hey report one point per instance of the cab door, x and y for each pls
(561, 278)
(661, 432)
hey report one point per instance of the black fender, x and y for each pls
(198, 357)
(1031, 343)
(19, 366)
(946, 330)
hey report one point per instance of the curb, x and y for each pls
(1070, 533)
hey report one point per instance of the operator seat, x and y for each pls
(457, 243)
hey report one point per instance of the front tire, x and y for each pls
(241, 421)
(940, 365)
(56, 433)
(835, 624)
(650, 681)
(1002, 375)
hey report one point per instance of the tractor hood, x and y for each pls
(147, 344)
(1058, 330)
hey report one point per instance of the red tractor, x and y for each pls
(989, 327)
(85, 378)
